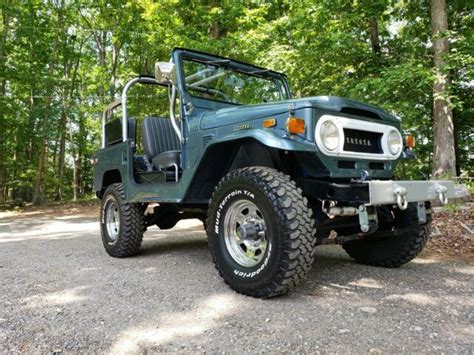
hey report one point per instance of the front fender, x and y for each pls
(273, 138)
(219, 155)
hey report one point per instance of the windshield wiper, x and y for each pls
(217, 61)
(199, 74)
(259, 71)
(211, 91)
(208, 79)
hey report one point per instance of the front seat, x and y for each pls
(161, 144)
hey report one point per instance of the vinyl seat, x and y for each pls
(161, 144)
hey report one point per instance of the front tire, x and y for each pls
(396, 249)
(122, 224)
(260, 232)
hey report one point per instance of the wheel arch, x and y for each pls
(222, 157)
(109, 177)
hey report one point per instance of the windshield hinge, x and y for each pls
(189, 108)
(291, 109)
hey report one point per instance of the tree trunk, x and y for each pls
(3, 41)
(38, 193)
(444, 158)
(101, 40)
(215, 29)
(374, 36)
(457, 148)
(113, 74)
(61, 159)
(74, 165)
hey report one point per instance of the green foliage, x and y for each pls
(63, 61)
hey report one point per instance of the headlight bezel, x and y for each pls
(399, 142)
(329, 128)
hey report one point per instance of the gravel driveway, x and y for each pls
(60, 291)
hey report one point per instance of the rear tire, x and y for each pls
(260, 232)
(122, 224)
(394, 250)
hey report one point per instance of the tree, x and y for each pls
(444, 156)
(62, 61)
(3, 41)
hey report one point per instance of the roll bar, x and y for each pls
(142, 80)
(123, 101)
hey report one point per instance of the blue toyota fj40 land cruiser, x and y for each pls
(271, 177)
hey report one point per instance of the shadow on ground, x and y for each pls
(61, 292)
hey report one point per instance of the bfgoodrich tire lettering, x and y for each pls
(125, 239)
(289, 232)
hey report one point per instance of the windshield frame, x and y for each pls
(181, 54)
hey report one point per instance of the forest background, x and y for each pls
(63, 61)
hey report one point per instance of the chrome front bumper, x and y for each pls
(362, 197)
(403, 192)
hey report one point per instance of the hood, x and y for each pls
(237, 114)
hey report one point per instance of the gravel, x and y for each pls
(60, 292)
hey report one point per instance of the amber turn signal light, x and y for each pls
(269, 122)
(295, 125)
(410, 141)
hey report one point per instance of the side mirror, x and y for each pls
(165, 72)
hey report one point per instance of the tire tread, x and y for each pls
(297, 227)
(132, 225)
(404, 248)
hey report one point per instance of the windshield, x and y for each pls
(215, 80)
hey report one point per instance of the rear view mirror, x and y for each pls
(165, 72)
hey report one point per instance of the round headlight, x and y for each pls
(329, 135)
(395, 142)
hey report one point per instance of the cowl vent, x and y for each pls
(206, 139)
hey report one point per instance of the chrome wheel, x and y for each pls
(112, 219)
(245, 233)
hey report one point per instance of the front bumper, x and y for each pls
(401, 192)
(362, 197)
(380, 192)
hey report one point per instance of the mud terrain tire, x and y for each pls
(124, 238)
(394, 250)
(289, 231)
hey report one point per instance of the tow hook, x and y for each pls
(443, 198)
(400, 193)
